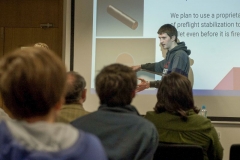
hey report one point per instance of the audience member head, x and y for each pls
(75, 90)
(32, 82)
(169, 29)
(40, 44)
(175, 95)
(115, 85)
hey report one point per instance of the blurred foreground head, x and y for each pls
(32, 81)
(115, 85)
(42, 45)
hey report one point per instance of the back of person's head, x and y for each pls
(75, 87)
(169, 29)
(32, 81)
(115, 85)
(175, 95)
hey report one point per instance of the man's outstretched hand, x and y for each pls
(143, 85)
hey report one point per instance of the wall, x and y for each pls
(229, 134)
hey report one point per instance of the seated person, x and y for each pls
(32, 87)
(3, 114)
(74, 98)
(177, 120)
(123, 132)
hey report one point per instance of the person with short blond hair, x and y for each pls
(42, 45)
(32, 86)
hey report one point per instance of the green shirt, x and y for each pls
(70, 112)
(196, 130)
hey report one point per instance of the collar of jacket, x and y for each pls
(120, 109)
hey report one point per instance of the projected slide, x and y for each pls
(126, 51)
(126, 32)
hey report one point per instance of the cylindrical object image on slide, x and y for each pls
(127, 20)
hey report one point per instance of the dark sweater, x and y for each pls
(176, 60)
(122, 131)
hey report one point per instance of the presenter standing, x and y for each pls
(176, 60)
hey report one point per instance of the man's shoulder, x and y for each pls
(107, 116)
(181, 52)
(151, 113)
(88, 117)
(72, 106)
(144, 122)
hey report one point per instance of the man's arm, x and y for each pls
(136, 68)
(146, 84)
(154, 84)
(154, 67)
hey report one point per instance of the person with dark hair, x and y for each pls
(74, 98)
(177, 120)
(176, 60)
(123, 132)
(32, 86)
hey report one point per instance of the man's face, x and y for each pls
(163, 50)
(165, 41)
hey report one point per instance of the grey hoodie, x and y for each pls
(176, 60)
(21, 140)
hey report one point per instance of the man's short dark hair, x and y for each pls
(115, 85)
(169, 29)
(75, 86)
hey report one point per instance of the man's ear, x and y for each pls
(83, 96)
(173, 38)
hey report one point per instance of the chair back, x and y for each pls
(235, 152)
(169, 151)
